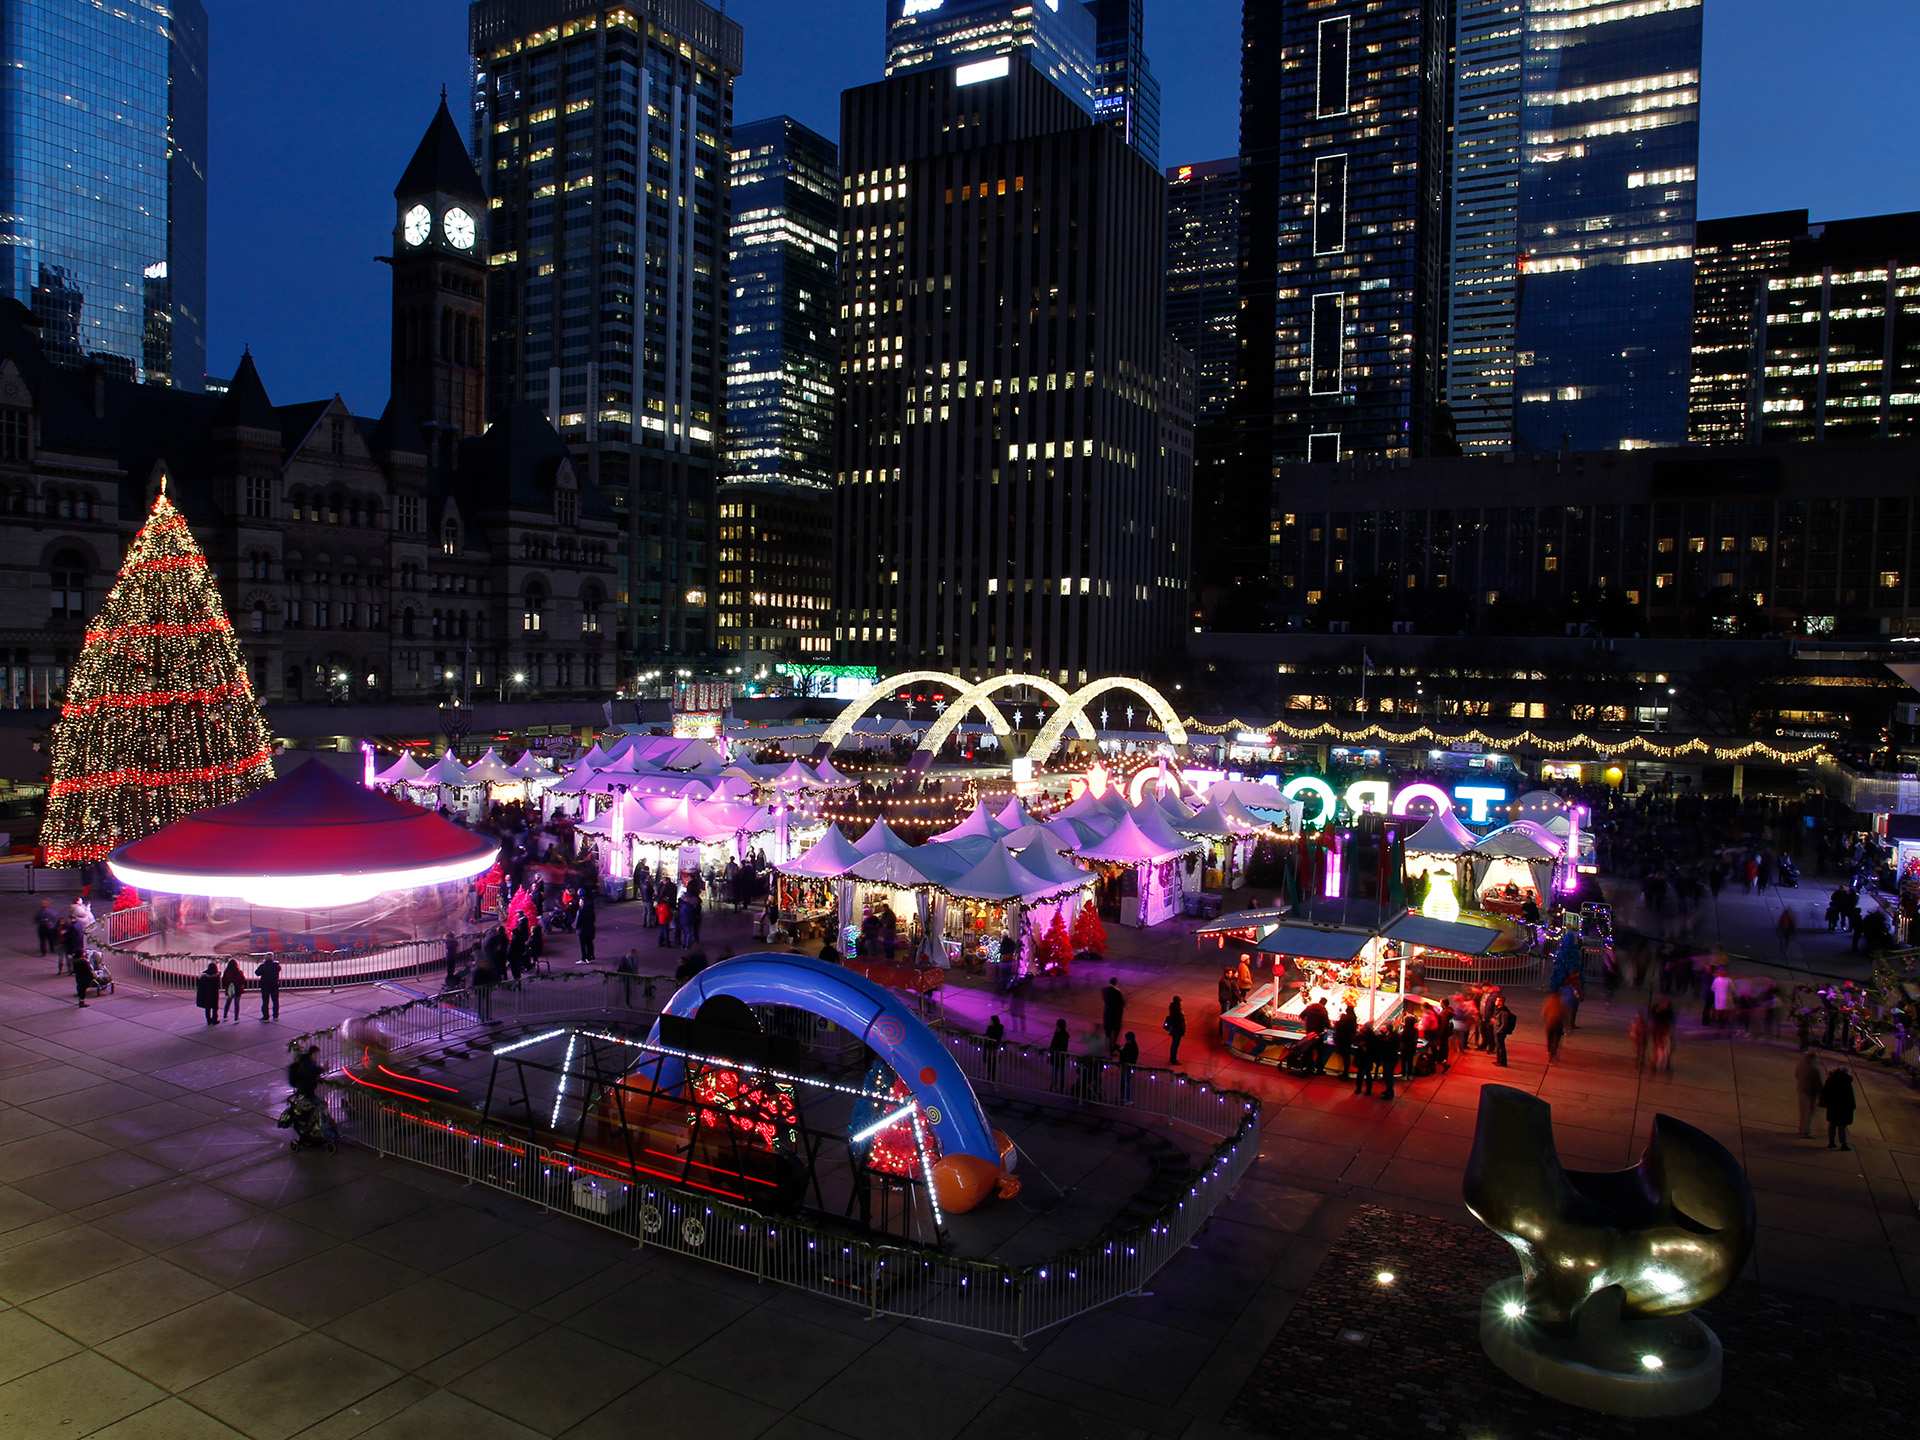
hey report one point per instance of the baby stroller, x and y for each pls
(99, 978)
(312, 1126)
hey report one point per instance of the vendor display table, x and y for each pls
(1260, 1030)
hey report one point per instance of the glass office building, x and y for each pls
(103, 181)
(1610, 148)
(602, 133)
(1093, 49)
(1203, 272)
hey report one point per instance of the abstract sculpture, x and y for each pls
(1610, 1262)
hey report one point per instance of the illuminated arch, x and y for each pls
(1055, 729)
(842, 727)
(976, 697)
(867, 1011)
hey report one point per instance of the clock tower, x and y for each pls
(439, 289)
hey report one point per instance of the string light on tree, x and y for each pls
(160, 718)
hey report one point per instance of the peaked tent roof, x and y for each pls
(1154, 824)
(1538, 805)
(441, 163)
(829, 856)
(1444, 834)
(530, 767)
(1128, 844)
(835, 779)
(446, 771)
(490, 769)
(309, 822)
(404, 771)
(1013, 814)
(1047, 863)
(1213, 820)
(880, 837)
(1088, 806)
(978, 822)
(998, 876)
(687, 820)
(1510, 842)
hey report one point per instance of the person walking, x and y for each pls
(232, 985)
(1176, 1027)
(46, 925)
(1504, 1023)
(267, 972)
(1637, 1036)
(1660, 1034)
(1113, 1008)
(1129, 1058)
(206, 993)
(990, 1050)
(1722, 991)
(587, 925)
(1057, 1047)
(1807, 1081)
(1553, 1019)
(73, 944)
(1346, 1030)
(1363, 1057)
(82, 977)
(1409, 1043)
(1786, 927)
(663, 918)
(1836, 1098)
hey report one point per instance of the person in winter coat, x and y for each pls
(267, 972)
(1176, 1027)
(1362, 1060)
(1836, 1098)
(1504, 1023)
(1806, 1088)
(206, 993)
(1409, 1043)
(1346, 1030)
(587, 926)
(1553, 1019)
(1057, 1046)
(232, 985)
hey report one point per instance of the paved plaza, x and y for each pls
(167, 1269)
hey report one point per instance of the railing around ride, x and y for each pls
(134, 939)
(883, 1276)
(1511, 971)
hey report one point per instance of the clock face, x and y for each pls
(459, 227)
(417, 224)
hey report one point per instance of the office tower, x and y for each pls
(1840, 357)
(1203, 266)
(103, 182)
(774, 583)
(1360, 207)
(1124, 90)
(439, 365)
(1001, 501)
(1485, 240)
(602, 133)
(1576, 144)
(1610, 145)
(1092, 49)
(1732, 261)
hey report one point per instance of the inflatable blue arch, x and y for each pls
(862, 1008)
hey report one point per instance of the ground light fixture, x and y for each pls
(1383, 1277)
(1513, 1309)
(1651, 1362)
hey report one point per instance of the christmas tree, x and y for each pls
(159, 718)
(1053, 951)
(1088, 932)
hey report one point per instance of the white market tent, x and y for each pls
(1128, 844)
(1013, 814)
(1152, 822)
(1438, 847)
(1539, 806)
(491, 770)
(828, 858)
(1047, 863)
(882, 836)
(978, 822)
(1515, 855)
(404, 771)
(1088, 806)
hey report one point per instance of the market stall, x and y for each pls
(807, 890)
(403, 772)
(1142, 877)
(445, 784)
(1229, 833)
(1512, 866)
(503, 783)
(1438, 847)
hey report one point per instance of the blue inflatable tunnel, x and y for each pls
(873, 1013)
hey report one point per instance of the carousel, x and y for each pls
(335, 881)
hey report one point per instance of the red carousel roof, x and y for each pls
(310, 824)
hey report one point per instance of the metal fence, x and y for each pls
(884, 1277)
(1504, 970)
(23, 876)
(124, 935)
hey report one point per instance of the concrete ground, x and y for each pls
(167, 1269)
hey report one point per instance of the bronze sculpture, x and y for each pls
(1610, 1261)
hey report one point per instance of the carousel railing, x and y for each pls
(882, 1276)
(138, 937)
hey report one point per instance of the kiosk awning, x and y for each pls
(1449, 935)
(1315, 942)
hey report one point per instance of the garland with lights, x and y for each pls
(160, 719)
(1598, 744)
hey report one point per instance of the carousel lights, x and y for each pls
(300, 892)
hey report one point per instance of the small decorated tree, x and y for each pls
(1053, 951)
(1088, 932)
(159, 719)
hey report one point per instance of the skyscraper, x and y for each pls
(103, 182)
(1360, 210)
(1576, 146)
(602, 131)
(1094, 50)
(1610, 150)
(774, 584)
(1203, 264)
(1732, 261)
(1485, 239)
(1002, 500)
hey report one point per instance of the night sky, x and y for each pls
(315, 110)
